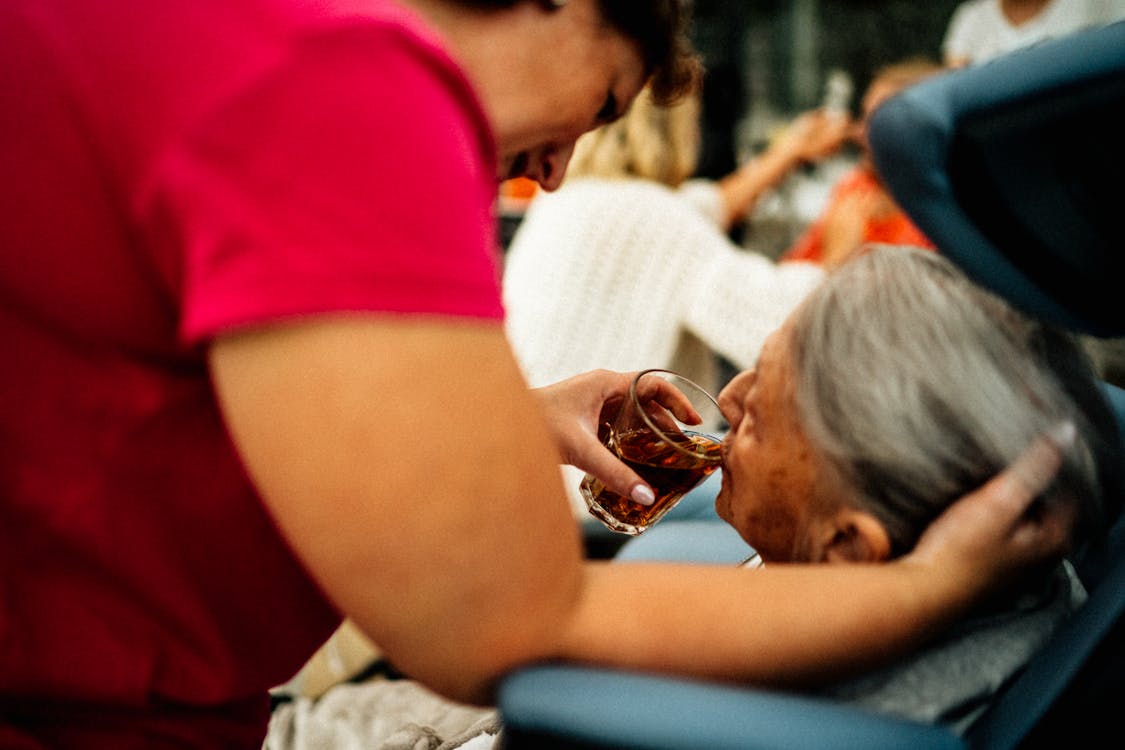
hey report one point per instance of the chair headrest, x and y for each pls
(1015, 170)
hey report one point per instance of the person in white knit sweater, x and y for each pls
(628, 264)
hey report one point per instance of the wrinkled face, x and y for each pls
(582, 74)
(769, 472)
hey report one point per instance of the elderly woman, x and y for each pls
(893, 389)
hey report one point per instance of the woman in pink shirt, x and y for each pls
(257, 376)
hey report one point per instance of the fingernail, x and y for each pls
(643, 495)
(1063, 434)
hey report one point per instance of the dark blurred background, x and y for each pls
(767, 60)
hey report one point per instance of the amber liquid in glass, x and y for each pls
(668, 471)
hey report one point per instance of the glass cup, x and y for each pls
(663, 432)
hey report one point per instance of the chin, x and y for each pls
(722, 505)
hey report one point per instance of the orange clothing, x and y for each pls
(892, 228)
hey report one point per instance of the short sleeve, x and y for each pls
(357, 175)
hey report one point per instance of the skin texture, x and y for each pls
(588, 78)
(421, 488)
(809, 138)
(770, 471)
(775, 492)
(845, 221)
(394, 487)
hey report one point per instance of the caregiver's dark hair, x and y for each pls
(660, 29)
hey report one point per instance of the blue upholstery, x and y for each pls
(713, 542)
(590, 708)
(1006, 167)
(691, 532)
(1014, 170)
(1031, 708)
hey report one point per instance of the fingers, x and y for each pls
(1030, 475)
(594, 398)
(814, 134)
(1050, 532)
(618, 477)
(990, 532)
(671, 398)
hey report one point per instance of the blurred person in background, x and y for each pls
(860, 210)
(627, 265)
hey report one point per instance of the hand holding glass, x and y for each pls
(662, 432)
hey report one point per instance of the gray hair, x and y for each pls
(916, 386)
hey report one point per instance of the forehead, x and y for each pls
(596, 55)
(775, 387)
(775, 359)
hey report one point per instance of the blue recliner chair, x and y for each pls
(1014, 169)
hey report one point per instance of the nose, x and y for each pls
(550, 166)
(733, 396)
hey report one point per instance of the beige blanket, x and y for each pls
(383, 714)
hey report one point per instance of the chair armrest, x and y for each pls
(601, 708)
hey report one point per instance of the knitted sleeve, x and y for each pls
(743, 297)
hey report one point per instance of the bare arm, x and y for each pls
(796, 625)
(576, 406)
(415, 476)
(810, 137)
(411, 470)
(845, 222)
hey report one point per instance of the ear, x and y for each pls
(857, 537)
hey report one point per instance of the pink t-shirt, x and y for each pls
(173, 170)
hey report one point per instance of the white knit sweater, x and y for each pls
(627, 274)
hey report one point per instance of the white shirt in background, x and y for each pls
(628, 274)
(979, 30)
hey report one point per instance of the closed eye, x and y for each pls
(608, 113)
